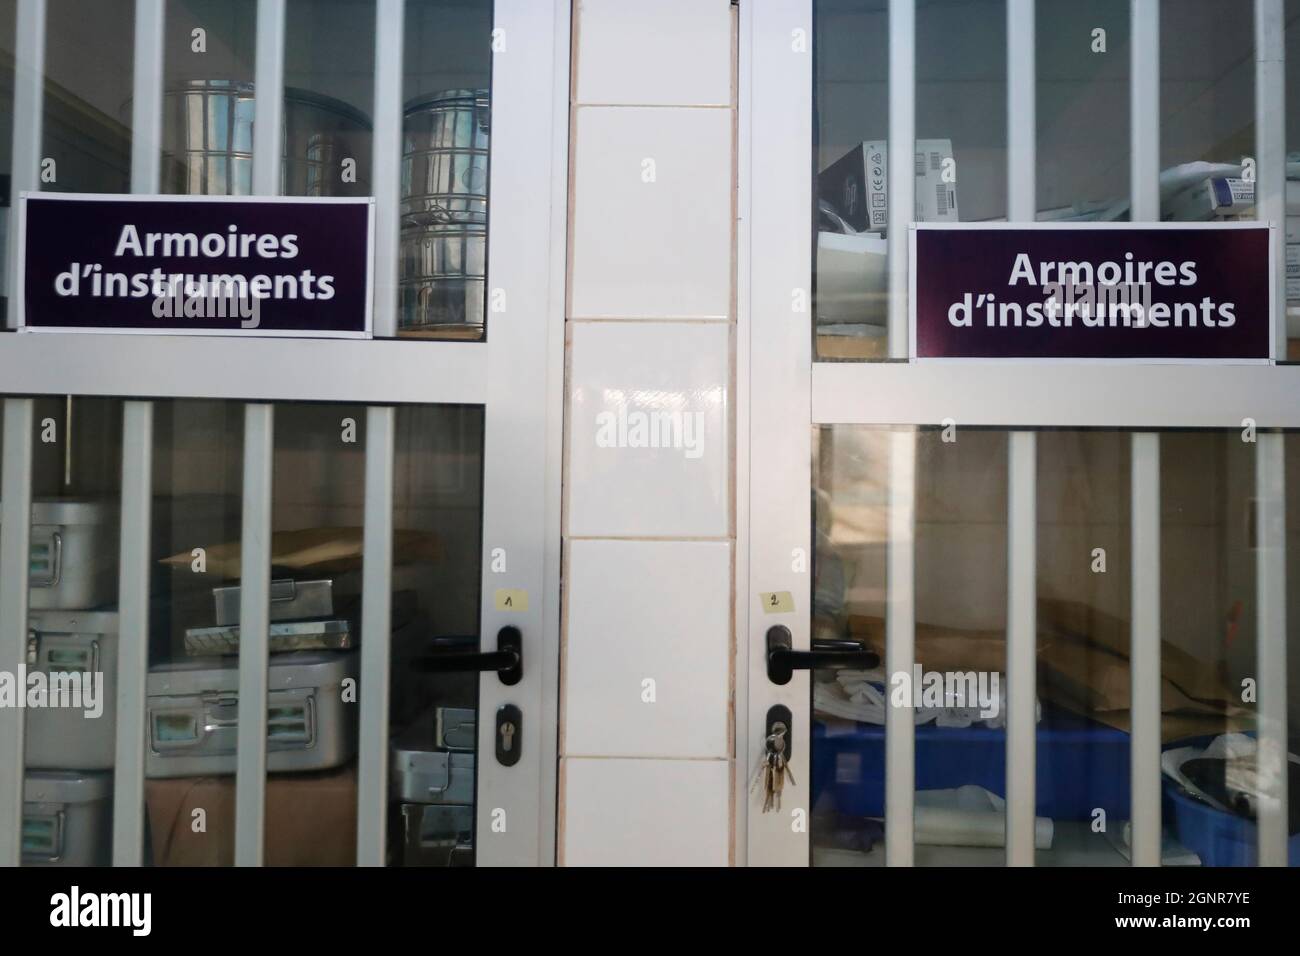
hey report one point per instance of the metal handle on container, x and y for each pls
(56, 563)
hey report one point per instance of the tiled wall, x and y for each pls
(646, 736)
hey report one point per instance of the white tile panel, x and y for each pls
(648, 649)
(651, 221)
(645, 812)
(634, 385)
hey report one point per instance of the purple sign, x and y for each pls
(1146, 292)
(190, 264)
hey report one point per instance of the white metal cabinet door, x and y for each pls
(515, 376)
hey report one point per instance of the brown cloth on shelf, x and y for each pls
(311, 819)
(319, 550)
(940, 648)
(1083, 666)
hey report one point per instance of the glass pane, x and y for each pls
(208, 105)
(436, 587)
(1207, 107)
(71, 641)
(1083, 110)
(86, 121)
(850, 126)
(1084, 534)
(444, 178)
(191, 715)
(329, 97)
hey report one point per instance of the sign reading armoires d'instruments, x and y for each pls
(1167, 292)
(202, 265)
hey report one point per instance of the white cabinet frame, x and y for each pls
(517, 374)
(790, 393)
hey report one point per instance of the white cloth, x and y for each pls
(860, 696)
(969, 816)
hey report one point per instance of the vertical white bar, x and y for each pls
(1270, 462)
(268, 86)
(137, 477)
(1144, 110)
(133, 632)
(1270, 596)
(1144, 736)
(561, 28)
(776, 99)
(15, 549)
(254, 622)
(387, 164)
(901, 187)
(1022, 676)
(744, 121)
(900, 728)
(1022, 206)
(29, 91)
(1144, 636)
(376, 624)
(146, 96)
(1022, 200)
(528, 132)
(900, 610)
(900, 647)
(259, 453)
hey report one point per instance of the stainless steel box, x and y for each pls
(290, 601)
(421, 773)
(73, 554)
(67, 818)
(193, 715)
(455, 728)
(437, 835)
(73, 648)
(282, 637)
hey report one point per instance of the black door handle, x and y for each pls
(507, 660)
(783, 660)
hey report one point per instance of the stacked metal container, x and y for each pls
(208, 142)
(193, 704)
(431, 768)
(444, 215)
(71, 640)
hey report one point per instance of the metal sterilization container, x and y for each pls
(193, 715)
(444, 215)
(73, 649)
(208, 141)
(67, 818)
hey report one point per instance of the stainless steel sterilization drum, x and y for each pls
(444, 214)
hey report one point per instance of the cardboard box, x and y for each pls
(856, 185)
(1213, 198)
(311, 819)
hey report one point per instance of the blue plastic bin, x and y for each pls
(1082, 765)
(1218, 838)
